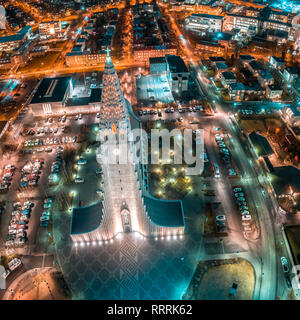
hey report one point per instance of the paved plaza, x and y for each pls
(130, 267)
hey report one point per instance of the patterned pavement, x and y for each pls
(130, 268)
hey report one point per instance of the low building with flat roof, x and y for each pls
(227, 77)
(286, 184)
(285, 180)
(54, 97)
(158, 65)
(292, 115)
(199, 22)
(261, 144)
(274, 91)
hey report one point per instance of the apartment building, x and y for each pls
(204, 22)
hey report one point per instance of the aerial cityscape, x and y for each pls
(150, 150)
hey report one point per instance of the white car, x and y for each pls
(28, 203)
(246, 217)
(10, 166)
(79, 180)
(13, 264)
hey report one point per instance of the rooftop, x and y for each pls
(164, 212)
(277, 59)
(265, 74)
(256, 65)
(51, 90)
(16, 37)
(221, 65)
(274, 87)
(176, 64)
(237, 86)
(211, 16)
(295, 110)
(86, 219)
(228, 75)
(157, 60)
(216, 59)
(261, 144)
(284, 177)
(293, 70)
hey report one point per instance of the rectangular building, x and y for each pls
(244, 23)
(50, 29)
(84, 58)
(12, 42)
(178, 73)
(198, 22)
(158, 65)
(143, 54)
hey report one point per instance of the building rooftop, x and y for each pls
(164, 212)
(237, 86)
(157, 60)
(216, 59)
(265, 74)
(228, 75)
(255, 65)
(211, 16)
(221, 65)
(47, 22)
(242, 16)
(295, 110)
(274, 87)
(86, 219)
(51, 90)
(19, 36)
(95, 95)
(293, 70)
(261, 144)
(277, 33)
(277, 59)
(284, 177)
(176, 64)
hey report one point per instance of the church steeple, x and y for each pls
(113, 104)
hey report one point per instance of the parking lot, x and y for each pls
(31, 171)
(153, 88)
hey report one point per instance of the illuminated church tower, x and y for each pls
(126, 205)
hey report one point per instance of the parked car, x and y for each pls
(44, 218)
(285, 264)
(82, 161)
(79, 180)
(241, 194)
(246, 217)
